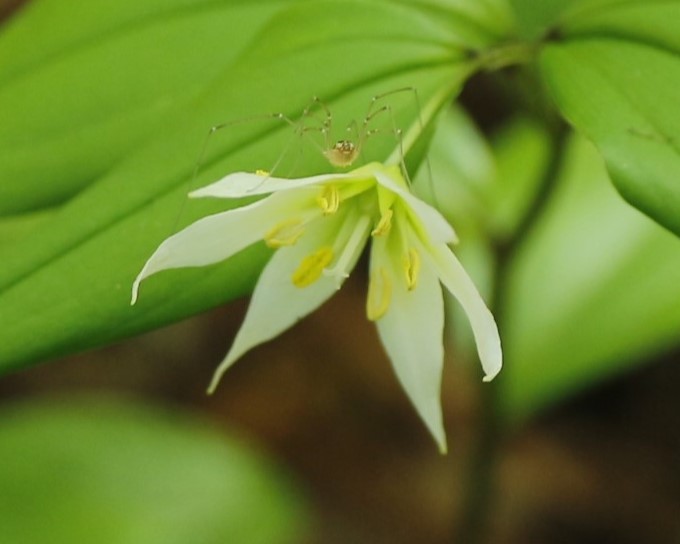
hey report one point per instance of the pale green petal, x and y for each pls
(411, 331)
(219, 236)
(241, 184)
(277, 304)
(437, 227)
(453, 276)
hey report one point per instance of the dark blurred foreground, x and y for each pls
(602, 468)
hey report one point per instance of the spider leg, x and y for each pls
(374, 111)
(201, 157)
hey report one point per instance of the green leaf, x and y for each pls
(592, 292)
(476, 24)
(67, 286)
(614, 75)
(534, 18)
(77, 93)
(118, 473)
(460, 171)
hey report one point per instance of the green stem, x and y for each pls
(505, 55)
(480, 485)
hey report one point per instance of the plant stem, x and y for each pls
(480, 485)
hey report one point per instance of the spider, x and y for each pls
(340, 153)
(344, 152)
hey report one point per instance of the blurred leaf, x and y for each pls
(521, 149)
(14, 228)
(46, 29)
(471, 24)
(534, 18)
(460, 172)
(615, 76)
(593, 291)
(67, 286)
(83, 83)
(115, 473)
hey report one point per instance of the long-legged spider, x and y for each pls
(342, 152)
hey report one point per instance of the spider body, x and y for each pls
(342, 154)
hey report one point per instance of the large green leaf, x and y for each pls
(78, 92)
(593, 291)
(67, 286)
(118, 473)
(536, 20)
(614, 74)
(472, 24)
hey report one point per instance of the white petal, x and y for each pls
(241, 184)
(219, 236)
(453, 276)
(411, 332)
(277, 304)
(437, 227)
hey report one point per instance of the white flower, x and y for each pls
(319, 226)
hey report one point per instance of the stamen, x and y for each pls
(412, 268)
(329, 199)
(263, 173)
(312, 266)
(379, 294)
(384, 225)
(352, 247)
(285, 233)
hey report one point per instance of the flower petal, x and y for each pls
(219, 236)
(411, 331)
(437, 227)
(277, 304)
(241, 184)
(453, 276)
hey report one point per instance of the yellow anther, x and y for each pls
(285, 233)
(379, 294)
(384, 225)
(411, 268)
(263, 173)
(329, 199)
(312, 266)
